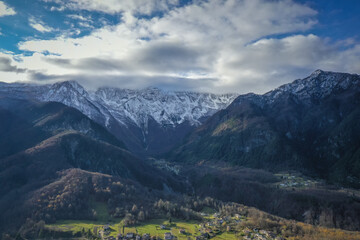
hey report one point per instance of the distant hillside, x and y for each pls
(310, 125)
(26, 123)
(56, 163)
(149, 121)
(40, 140)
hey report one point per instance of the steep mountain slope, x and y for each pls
(12, 128)
(56, 163)
(71, 149)
(39, 140)
(76, 141)
(156, 120)
(148, 121)
(310, 125)
(26, 123)
(323, 205)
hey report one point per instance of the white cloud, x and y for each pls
(79, 17)
(115, 6)
(59, 9)
(39, 25)
(268, 63)
(6, 10)
(213, 45)
(235, 22)
(83, 21)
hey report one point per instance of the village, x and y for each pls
(295, 180)
(214, 226)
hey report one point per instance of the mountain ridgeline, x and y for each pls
(41, 140)
(65, 150)
(311, 125)
(149, 121)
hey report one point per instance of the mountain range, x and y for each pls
(149, 121)
(41, 143)
(62, 148)
(311, 124)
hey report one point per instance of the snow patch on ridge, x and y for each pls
(127, 107)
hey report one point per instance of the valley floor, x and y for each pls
(255, 225)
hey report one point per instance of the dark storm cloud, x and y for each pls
(169, 57)
(92, 81)
(158, 57)
(60, 62)
(88, 64)
(6, 66)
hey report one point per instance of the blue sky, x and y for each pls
(213, 45)
(17, 28)
(338, 20)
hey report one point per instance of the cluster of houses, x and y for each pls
(218, 225)
(145, 236)
(292, 181)
(134, 236)
(128, 236)
(255, 234)
(215, 226)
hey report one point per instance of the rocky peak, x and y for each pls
(316, 73)
(316, 86)
(67, 87)
(165, 107)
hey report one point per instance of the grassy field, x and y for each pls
(249, 225)
(151, 227)
(75, 226)
(191, 228)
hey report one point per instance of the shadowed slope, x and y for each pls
(309, 125)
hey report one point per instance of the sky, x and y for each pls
(219, 46)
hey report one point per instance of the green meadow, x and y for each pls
(151, 227)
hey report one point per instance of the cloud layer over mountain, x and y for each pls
(217, 46)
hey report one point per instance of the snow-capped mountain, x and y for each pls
(315, 87)
(166, 108)
(311, 124)
(143, 119)
(151, 121)
(318, 85)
